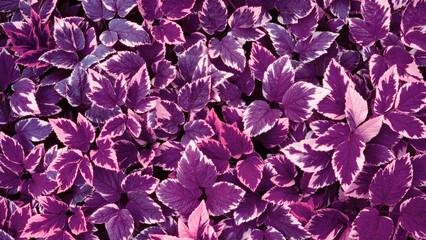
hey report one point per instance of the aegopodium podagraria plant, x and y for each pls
(212, 119)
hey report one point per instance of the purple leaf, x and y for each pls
(18, 220)
(8, 69)
(125, 62)
(114, 127)
(389, 185)
(33, 158)
(135, 182)
(411, 97)
(406, 125)
(190, 58)
(251, 207)
(43, 225)
(196, 130)
(411, 218)
(175, 9)
(375, 23)
(259, 118)
(280, 218)
(277, 79)
(276, 135)
(218, 153)
(165, 73)
(169, 154)
(198, 221)
(13, 153)
(307, 159)
(249, 171)
(108, 38)
(370, 223)
(260, 59)
(150, 10)
(78, 136)
(33, 129)
(60, 58)
(223, 197)
(108, 183)
(336, 80)
(236, 141)
(314, 46)
(369, 129)
(245, 81)
(244, 17)
(68, 36)
(213, 16)
(120, 226)
(323, 178)
(195, 169)
(40, 184)
(419, 170)
(96, 10)
(230, 50)
(121, 7)
(143, 208)
(8, 6)
(174, 195)
(168, 32)
(23, 101)
(333, 137)
(360, 186)
(104, 214)
(415, 39)
(305, 26)
(356, 108)
(376, 155)
(327, 223)
(104, 156)
(405, 65)
(77, 222)
(292, 10)
(284, 170)
(282, 40)
(282, 195)
(386, 91)
(195, 95)
(300, 100)
(348, 160)
(169, 116)
(103, 93)
(77, 87)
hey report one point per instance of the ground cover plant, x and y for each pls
(212, 119)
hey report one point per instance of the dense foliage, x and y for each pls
(212, 119)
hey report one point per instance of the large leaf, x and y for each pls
(78, 136)
(195, 170)
(259, 118)
(230, 51)
(195, 95)
(369, 223)
(300, 100)
(375, 24)
(277, 79)
(223, 197)
(412, 215)
(389, 185)
(213, 16)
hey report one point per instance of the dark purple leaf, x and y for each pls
(281, 39)
(195, 95)
(174, 195)
(125, 62)
(96, 10)
(277, 79)
(375, 23)
(370, 223)
(177, 9)
(121, 7)
(259, 118)
(236, 141)
(8, 69)
(213, 16)
(223, 197)
(168, 32)
(314, 46)
(230, 51)
(327, 223)
(300, 100)
(389, 185)
(411, 219)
